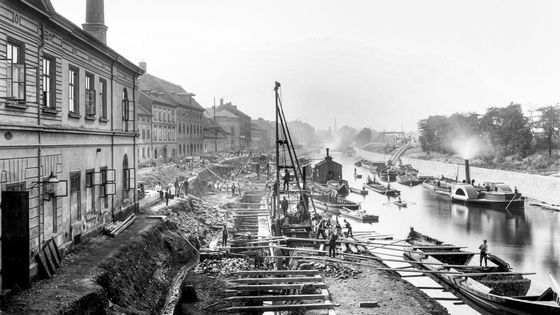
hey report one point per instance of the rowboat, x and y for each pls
(382, 189)
(358, 215)
(489, 290)
(325, 201)
(447, 253)
(362, 192)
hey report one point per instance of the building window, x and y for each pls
(90, 95)
(49, 78)
(102, 187)
(125, 108)
(126, 177)
(75, 197)
(73, 92)
(148, 133)
(15, 72)
(103, 97)
(144, 152)
(90, 189)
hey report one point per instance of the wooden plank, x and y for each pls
(277, 280)
(50, 248)
(49, 260)
(299, 297)
(55, 249)
(43, 264)
(266, 287)
(437, 246)
(278, 307)
(277, 272)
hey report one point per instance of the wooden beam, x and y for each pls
(277, 272)
(300, 297)
(266, 287)
(277, 280)
(278, 307)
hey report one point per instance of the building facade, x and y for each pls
(261, 135)
(144, 142)
(67, 158)
(303, 134)
(215, 137)
(177, 118)
(236, 123)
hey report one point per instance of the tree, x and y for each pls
(549, 121)
(433, 132)
(347, 135)
(507, 129)
(363, 137)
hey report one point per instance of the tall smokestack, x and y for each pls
(95, 20)
(467, 171)
(328, 151)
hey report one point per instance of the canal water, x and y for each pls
(529, 239)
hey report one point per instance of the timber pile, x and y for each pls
(331, 269)
(225, 267)
(116, 228)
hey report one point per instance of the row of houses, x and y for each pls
(78, 118)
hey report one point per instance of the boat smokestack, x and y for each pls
(467, 171)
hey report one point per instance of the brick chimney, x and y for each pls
(143, 65)
(95, 20)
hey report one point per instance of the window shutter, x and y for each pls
(132, 178)
(4, 65)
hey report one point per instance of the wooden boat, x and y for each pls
(359, 215)
(489, 290)
(400, 203)
(440, 186)
(408, 180)
(362, 192)
(382, 189)
(325, 201)
(447, 253)
(387, 174)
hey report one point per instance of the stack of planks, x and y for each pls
(49, 259)
(116, 228)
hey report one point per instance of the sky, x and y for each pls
(380, 64)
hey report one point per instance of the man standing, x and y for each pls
(233, 189)
(484, 253)
(284, 206)
(332, 245)
(348, 228)
(186, 186)
(177, 190)
(159, 190)
(321, 229)
(286, 180)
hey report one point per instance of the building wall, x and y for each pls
(37, 140)
(191, 135)
(144, 147)
(164, 132)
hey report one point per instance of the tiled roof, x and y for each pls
(140, 110)
(166, 92)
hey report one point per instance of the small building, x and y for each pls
(215, 137)
(327, 170)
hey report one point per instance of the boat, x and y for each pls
(362, 192)
(358, 164)
(325, 201)
(400, 203)
(408, 180)
(359, 215)
(490, 290)
(387, 174)
(340, 186)
(489, 193)
(446, 253)
(382, 189)
(440, 185)
(547, 206)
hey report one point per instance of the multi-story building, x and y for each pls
(67, 158)
(177, 118)
(144, 142)
(302, 133)
(261, 135)
(215, 137)
(236, 123)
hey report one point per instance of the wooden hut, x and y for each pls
(327, 170)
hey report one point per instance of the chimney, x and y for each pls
(95, 20)
(328, 152)
(467, 172)
(142, 65)
(221, 101)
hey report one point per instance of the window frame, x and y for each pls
(73, 90)
(103, 97)
(90, 95)
(48, 89)
(16, 63)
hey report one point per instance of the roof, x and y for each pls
(163, 91)
(140, 110)
(46, 8)
(219, 113)
(327, 160)
(227, 110)
(209, 124)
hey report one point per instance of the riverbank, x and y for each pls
(538, 163)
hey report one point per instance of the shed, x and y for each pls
(327, 170)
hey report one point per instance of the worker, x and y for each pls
(338, 228)
(484, 253)
(167, 197)
(224, 235)
(186, 186)
(286, 180)
(159, 190)
(321, 229)
(348, 229)
(284, 206)
(355, 171)
(258, 170)
(233, 189)
(177, 190)
(332, 245)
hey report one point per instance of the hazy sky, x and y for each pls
(382, 64)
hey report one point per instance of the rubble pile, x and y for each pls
(331, 269)
(224, 267)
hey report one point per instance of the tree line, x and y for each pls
(504, 129)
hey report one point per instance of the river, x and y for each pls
(527, 239)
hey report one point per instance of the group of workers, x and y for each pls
(334, 231)
(176, 189)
